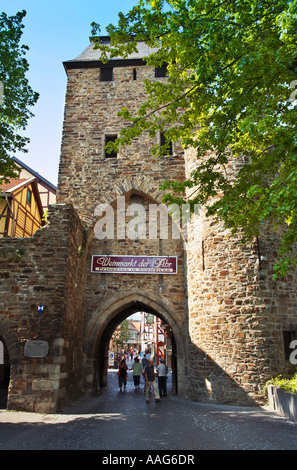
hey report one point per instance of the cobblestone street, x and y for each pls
(124, 421)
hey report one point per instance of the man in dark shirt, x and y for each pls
(149, 375)
(144, 361)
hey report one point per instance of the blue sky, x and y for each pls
(55, 31)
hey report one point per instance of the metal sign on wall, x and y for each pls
(36, 348)
(134, 264)
(150, 320)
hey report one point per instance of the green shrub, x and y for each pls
(289, 385)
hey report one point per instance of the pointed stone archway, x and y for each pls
(4, 373)
(9, 365)
(102, 325)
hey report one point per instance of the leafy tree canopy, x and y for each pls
(16, 94)
(124, 331)
(229, 94)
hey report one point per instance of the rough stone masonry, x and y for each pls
(227, 317)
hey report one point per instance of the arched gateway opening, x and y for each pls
(4, 373)
(137, 265)
(97, 342)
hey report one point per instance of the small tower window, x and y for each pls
(161, 71)
(110, 138)
(134, 74)
(169, 145)
(288, 337)
(106, 74)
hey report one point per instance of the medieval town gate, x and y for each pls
(59, 305)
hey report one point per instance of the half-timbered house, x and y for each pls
(21, 211)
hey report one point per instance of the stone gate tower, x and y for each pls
(228, 317)
(230, 322)
(89, 177)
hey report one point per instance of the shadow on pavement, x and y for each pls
(124, 421)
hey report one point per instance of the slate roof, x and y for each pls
(89, 54)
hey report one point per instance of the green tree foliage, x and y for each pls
(229, 94)
(124, 331)
(17, 96)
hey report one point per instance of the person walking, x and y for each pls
(122, 374)
(150, 381)
(162, 371)
(136, 371)
(144, 361)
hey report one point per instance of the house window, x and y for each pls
(29, 197)
(161, 71)
(164, 142)
(110, 138)
(289, 336)
(134, 74)
(106, 74)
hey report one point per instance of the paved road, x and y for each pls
(124, 421)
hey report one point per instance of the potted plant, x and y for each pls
(282, 396)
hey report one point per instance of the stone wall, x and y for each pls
(237, 313)
(86, 177)
(43, 270)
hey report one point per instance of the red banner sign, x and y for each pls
(134, 264)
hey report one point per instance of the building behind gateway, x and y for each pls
(59, 304)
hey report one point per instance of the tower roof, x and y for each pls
(90, 56)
